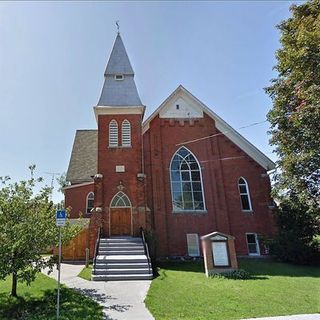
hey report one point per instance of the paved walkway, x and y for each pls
(314, 316)
(121, 300)
(124, 300)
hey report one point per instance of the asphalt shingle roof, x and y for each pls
(83, 161)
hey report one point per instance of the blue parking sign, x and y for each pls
(61, 217)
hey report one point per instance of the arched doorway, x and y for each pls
(120, 215)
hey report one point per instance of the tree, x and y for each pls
(62, 181)
(27, 229)
(295, 121)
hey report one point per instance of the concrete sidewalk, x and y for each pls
(121, 300)
(315, 316)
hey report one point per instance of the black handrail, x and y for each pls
(146, 249)
(96, 250)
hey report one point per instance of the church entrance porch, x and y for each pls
(120, 221)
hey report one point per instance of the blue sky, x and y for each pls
(53, 56)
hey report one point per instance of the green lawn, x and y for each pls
(181, 291)
(86, 273)
(38, 302)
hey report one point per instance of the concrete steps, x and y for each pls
(121, 258)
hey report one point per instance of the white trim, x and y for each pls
(221, 125)
(78, 185)
(247, 194)
(116, 110)
(201, 180)
(257, 244)
(125, 133)
(113, 134)
(87, 198)
(119, 77)
(189, 242)
(116, 195)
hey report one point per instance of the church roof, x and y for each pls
(119, 88)
(83, 161)
(253, 152)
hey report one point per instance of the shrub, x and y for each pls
(239, 274)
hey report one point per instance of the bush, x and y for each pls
(295, 241)
(239, 274)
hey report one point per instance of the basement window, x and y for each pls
(119, 77)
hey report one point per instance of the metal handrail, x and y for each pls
(146, 249)
(96, 250)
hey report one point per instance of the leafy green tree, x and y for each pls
(62, 181)
(295, 122)
(27, 229)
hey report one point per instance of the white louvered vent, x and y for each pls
(113, 133)
(193, 244)
(126, 133)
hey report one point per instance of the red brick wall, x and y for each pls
(220, 176)
(75, 199)
(109, 158)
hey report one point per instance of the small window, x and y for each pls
(120, 200)
(253, 244)
(126, 134)
(90, 202)
(193, 244)
(119, 77)
(113, 134)
(244, 195)
(177, 107)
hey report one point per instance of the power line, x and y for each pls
(221, 133)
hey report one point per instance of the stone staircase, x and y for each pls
(121, 258)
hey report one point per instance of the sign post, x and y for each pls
(60, 222)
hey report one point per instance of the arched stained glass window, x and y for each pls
(120, 200)
(244, 194)
(90, 202)
(126, 134)
(186, 182)
(113, 133)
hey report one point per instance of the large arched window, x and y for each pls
(90, 202)
(120, 200)
(113, 133)
(244, 194)
(186, 182)
(126, 134)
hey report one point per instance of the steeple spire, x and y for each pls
(119, 88)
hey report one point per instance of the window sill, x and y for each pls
(119, 147)
(190, 212)
(247, 211)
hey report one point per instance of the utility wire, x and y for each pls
(220, 133)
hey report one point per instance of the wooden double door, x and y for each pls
(120, 221)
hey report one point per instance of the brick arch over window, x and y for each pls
(126, 133)
(89, 202)
(186, 182)
(113, 133)
(244, 194)
(120, 200)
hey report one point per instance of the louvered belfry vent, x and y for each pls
(113, 133)
(126, 133)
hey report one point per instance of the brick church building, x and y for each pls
(182, 173)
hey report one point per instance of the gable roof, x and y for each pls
(220, 124)
(83, 161)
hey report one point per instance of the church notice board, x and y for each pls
(218, 252)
